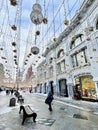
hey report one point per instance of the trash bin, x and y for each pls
(12, 102)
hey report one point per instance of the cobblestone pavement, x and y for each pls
(60, 119)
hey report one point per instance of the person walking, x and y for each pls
(49, 100)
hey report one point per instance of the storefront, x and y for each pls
(86, 86)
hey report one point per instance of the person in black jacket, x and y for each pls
(49, 100)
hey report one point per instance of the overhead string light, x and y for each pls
(36, 14)
(54, 38)
(45, 20)
(66, 21)
(36, 18)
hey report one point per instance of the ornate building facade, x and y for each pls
(73, 59)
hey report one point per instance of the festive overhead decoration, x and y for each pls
(66, 22)
(13, 44)
(14, 27)
(55, 39)
(37, 33)
(45, 20)
(36, 14)
(35, 50)
(13, 2)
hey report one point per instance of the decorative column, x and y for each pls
(96, 86)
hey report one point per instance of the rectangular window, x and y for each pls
(58, 68)
(79, 58)
(51, 71)
(62, 66)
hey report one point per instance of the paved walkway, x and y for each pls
(80, 104)
(11, 120)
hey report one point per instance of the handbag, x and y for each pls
(46, 100)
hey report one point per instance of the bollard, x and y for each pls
(12, 102)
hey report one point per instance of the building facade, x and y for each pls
(73, 59)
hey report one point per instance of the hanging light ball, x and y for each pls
(66, 22)
(55, 39)
(35, 50)
(1, 49)
(36, 14)
(37, 33)
(36, 17)
(14, 27)
(13, 2)
(13, 44)
(45, 20)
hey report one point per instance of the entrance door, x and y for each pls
(63, 88)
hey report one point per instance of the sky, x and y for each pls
(56, 11)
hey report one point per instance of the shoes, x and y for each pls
(50, 109)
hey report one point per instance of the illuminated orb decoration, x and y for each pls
(36, 14)
(45, 20)
(35, 50)
(37, 33)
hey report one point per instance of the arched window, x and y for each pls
(60, 53)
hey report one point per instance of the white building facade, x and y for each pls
(73, 59)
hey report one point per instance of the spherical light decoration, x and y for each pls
(36, 17)
(14, 27)
(36, 14)
(66, 22)
(37, 33)
(13, 44)
(13, 2)
(35, 50)
(45, 20)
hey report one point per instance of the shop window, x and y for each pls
(88, 87)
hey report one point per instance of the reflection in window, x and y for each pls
(79, 58)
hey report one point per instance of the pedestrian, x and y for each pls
(49, 100)
(11, 91)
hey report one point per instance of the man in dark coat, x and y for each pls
(49, 100)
